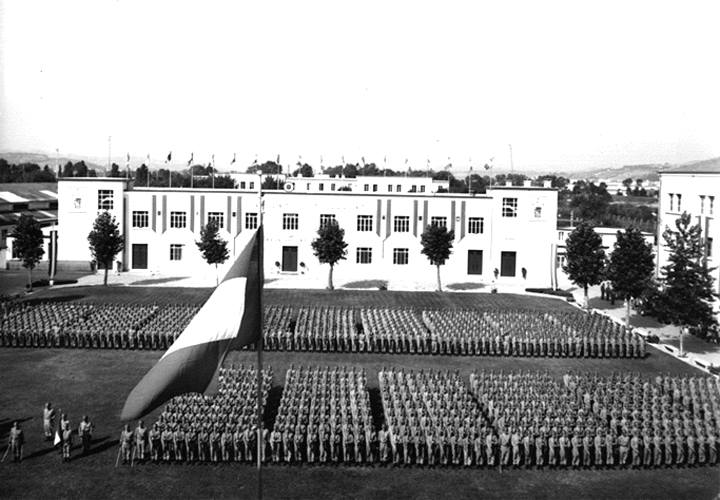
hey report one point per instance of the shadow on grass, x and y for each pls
(54, 300)
(99, 445)
(159, 281)
(366, 284)
(465, 286)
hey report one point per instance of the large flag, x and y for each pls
(229, 320)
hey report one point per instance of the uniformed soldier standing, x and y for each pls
(16, 440)
(140, 440)
(85, 430)
(48, 421)
(126, 442)
(67, 436)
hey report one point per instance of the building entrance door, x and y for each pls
(289, 259)
(475, 261)
(139, 256)
(507, 263)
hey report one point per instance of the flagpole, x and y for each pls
(260, 442)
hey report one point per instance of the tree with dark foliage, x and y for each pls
(631, 267)
(105, 241)
(688, 291)
(330, 247)
(28, 243)
(585, 258)
(437, 244)
(213, 248)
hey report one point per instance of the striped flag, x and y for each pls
(229, 320)
(233, 160)
(191, 159)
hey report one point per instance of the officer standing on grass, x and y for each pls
(48, 421)
(16, 440)
(85, 430)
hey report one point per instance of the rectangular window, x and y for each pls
(476, 225)
(321, 187)
(709, 247)
(364, 255)
(375, 187)
(398, 188)
(712, 205)
(290, 222)
(538, 212)
(400, 256)
(217, 217)
(364, 223)
(702, 204)
(178, 220)
(389, 188)
(672, 202)
(509, 207)
(105, 199)
(413, 189)
(679, 197)
(242, 185)
(438, 221)
(252, 185)
(140, 219)
(422, 189)
(325, 219)
(402, 224)
(367, 187)
(308, 186)
(251, 220)
(332, 187)
(176, 252)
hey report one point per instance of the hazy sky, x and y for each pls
(570, 85)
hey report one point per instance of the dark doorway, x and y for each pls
(139, 256)
(289, 259)
(507, 263)
(475, 261)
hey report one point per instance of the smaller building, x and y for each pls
(38, 199)
(608, 235)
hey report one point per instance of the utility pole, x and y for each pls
(512, 168)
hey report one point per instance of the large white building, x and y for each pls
(694, 189)
(508, 229)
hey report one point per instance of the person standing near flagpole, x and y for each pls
(48, 421)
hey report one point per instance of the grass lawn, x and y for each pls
(97, 382)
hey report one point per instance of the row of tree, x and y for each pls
(683, 297)
(25, 172)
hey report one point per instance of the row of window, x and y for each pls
(398, 188)
(401, 223)
(705, 202)
(178, 220)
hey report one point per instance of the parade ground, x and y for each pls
(97, 382)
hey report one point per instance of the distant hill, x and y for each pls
(43, 159)
(646, 172)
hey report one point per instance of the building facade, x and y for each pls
(508, 229)
(696, 191)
